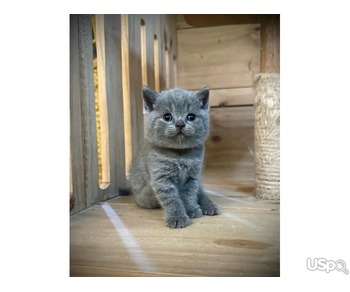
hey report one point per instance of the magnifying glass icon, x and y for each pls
(340, 266)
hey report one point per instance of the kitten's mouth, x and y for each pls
(180, 133)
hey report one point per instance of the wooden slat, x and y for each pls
(126, 89)
(176, 77)
(86, 271)
(171, 20)
(76, 140)
(167, 67)
(136, 103)
(164, 23)
(231, 97)
(149, 23)
(144, 52)
(156, 58)
(115, 104)
(205, 20)
(102, 100)
(169, 41)
(159, 31)
(147, 49)
(71, 195)
(88, 113)
(83, 118)
(218, 57)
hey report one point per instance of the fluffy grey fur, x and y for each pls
(167, 171)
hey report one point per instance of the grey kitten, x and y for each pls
(167, 171)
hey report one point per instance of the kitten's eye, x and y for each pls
(167, 117)
(191, 117)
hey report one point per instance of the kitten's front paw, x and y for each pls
(210, 209)
(178, 222)
(196, 213)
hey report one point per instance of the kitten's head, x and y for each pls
(177, 118)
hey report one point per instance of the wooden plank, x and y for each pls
(115, 104)
(171, 20)
(159, 31)
(218, 57)
(88, 114)
(230, 144)
(136, 103)
(176, 75)
(270, 44)
(144, 52)
(83, 119)
(147, 53)
(231, 97)
(163, 42)
(167, 67)
(76, 139)
(242, 241)
(102, 101)
(156, 56)
(165, 28)
(86, 271)
(150, 31)
(206, 20)
(126, 89)
(71, 195)
(168, 44)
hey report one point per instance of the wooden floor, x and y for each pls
(117, 238)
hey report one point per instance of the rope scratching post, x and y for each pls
(267, 111)
(267, 135)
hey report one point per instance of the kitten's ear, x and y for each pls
(203, 96)
(149, 96)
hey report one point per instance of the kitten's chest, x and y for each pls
(186, 169)
(178, 166)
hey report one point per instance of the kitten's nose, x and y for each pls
(179, 124)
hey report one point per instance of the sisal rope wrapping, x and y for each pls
(267, 136)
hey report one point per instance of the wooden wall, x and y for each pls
(221, 57)
(225, 58)
(132, 50)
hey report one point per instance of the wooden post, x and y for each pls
(82, 114)
(78, 187)
(270, 44)
(115, 105)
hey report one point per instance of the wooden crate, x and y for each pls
(112, 56)
(131, 51)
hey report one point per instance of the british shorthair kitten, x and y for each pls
(167, 171)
